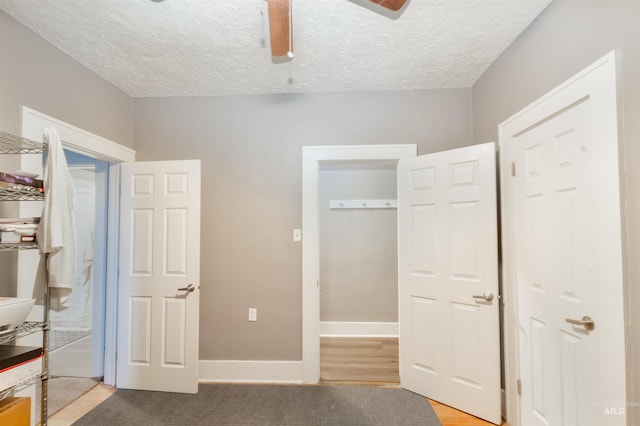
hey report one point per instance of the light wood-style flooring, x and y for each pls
(374, 361)
(366, 361)
(81, 406)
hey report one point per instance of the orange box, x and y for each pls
(15, 411)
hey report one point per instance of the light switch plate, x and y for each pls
(297, 235)
(253, 314)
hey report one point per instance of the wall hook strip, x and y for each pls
(363, 204)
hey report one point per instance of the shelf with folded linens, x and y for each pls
(18, 233)
(20, 194)
(20, 186)
(16, 371)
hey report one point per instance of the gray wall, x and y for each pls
(250, 147)
(35, 74)
(568, 36)
(358, 247)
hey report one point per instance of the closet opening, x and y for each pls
(358, 270)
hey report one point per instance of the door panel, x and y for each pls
(142, 240)
(176, 221)
(447, 248)
(159, 258)
(424, 353)
(175, 326)
(140, 330)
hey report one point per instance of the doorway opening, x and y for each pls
(313, 158)
(77, 332)
(447, 269)
(95, 147)
(358, 273)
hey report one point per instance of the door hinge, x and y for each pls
(513, 169)
(519, 387)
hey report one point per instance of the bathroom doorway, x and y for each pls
(77, 332)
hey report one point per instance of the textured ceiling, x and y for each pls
(220, 47)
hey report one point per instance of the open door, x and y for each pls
(159, 276)
(563, 254)
(448, 279)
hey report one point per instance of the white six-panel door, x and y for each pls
(159, 276)
(448, 279)
(563, 253)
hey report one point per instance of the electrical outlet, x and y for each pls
(297, 235)
(253, 314)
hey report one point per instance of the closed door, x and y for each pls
(158, 293)
(448, 279)
(564, 254)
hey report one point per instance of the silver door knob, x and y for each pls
(585, 322)
(487, 296)
(188, 288)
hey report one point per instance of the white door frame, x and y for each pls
(312, 157)
(94, 146)
(511, 313)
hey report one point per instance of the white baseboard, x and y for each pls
(358, 329)
(286, 371)
(250, 371)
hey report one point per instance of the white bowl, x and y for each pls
(13, 312)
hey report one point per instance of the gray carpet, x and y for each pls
(264, 405)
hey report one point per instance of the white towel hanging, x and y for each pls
(56, 232)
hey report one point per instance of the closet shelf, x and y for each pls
(11, 144)
(25, 329)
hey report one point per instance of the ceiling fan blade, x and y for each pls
(280, 27)
(390, 4)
